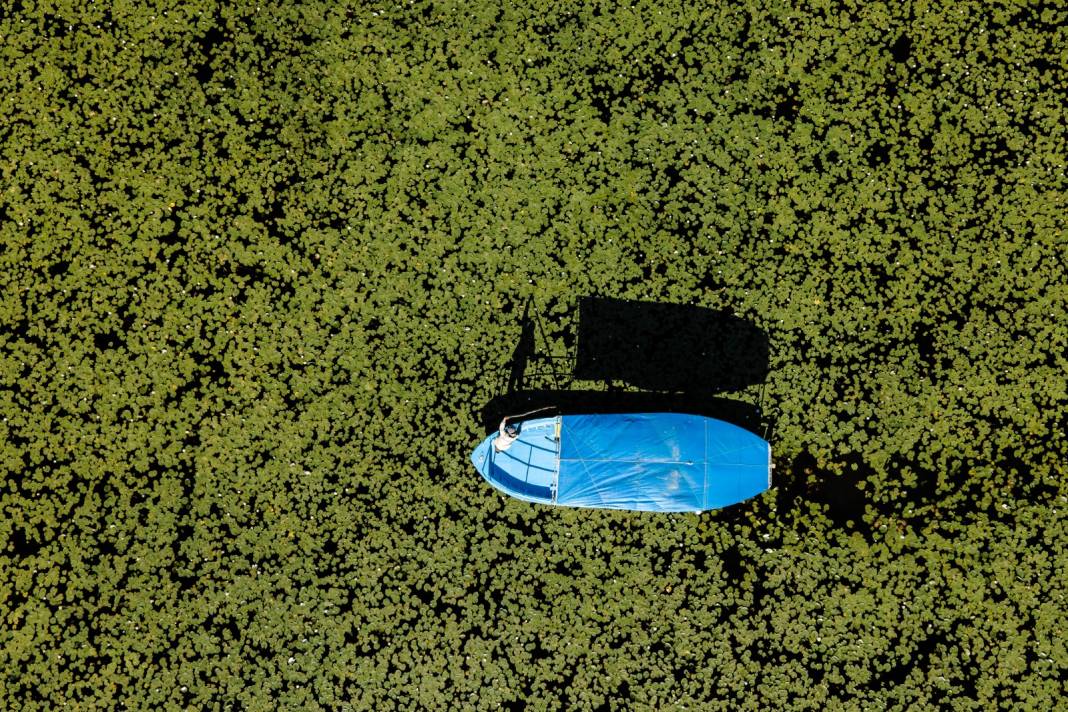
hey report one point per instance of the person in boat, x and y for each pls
(508, 433)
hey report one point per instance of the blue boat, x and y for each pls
(655, 462)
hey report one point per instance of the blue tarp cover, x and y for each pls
(664, 462)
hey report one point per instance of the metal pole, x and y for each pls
(531, 412)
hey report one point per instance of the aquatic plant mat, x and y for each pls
(263, 263)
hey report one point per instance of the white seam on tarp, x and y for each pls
(633, 462)
(704, 499)
(559, 448)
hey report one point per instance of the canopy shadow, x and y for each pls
(668, 347)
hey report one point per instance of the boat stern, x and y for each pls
(527, 469)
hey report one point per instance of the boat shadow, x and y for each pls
(640, 357)
(587, 402)
(679, 349)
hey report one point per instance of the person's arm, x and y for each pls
(501, 428)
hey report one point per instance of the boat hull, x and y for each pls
(664, 462)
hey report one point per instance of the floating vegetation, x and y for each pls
(262, 264)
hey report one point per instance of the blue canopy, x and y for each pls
(661, 462)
